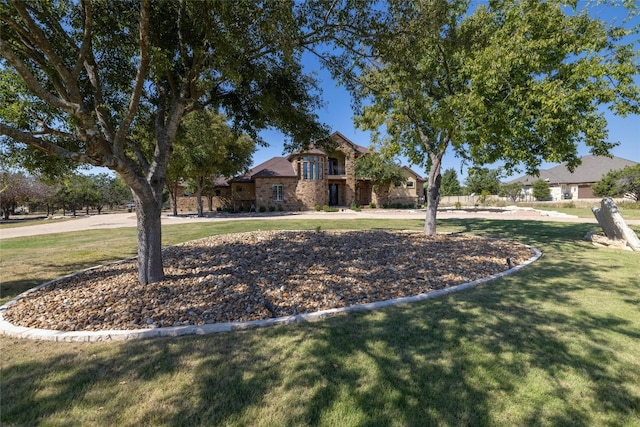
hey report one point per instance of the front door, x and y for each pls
(333, 194)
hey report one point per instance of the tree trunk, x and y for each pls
(433, 194)
(150, 269)
(433, 198)
(199, 185)
(173, 192)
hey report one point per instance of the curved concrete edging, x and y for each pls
(9, 329)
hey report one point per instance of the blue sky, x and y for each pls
(338, 115)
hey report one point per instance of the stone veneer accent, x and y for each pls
(264, 193)
(312, 192)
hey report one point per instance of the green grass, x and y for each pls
(556, 344)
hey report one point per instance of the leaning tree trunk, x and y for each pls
(433, 194)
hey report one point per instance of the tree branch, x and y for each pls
(85, 47)
(44, 145)
(41, 40)
(141, 76)
(32, 83)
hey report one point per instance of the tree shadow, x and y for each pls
(528, 349)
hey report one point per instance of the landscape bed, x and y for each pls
(257, 275)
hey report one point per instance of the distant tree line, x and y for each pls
(71, 193)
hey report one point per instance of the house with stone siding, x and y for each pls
(311, 178)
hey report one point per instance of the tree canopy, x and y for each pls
(624, 182)
(207, 148)
(516, 81)
(450, 183)
(483, 180)
(78, 76)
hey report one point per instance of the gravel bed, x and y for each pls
(257, 275)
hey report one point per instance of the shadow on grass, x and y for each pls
(555, 344)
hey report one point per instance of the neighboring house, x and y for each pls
(311, 178)
(565, 185)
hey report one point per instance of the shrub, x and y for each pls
(372, 205)
(318, 208)
(280, 208)
(354, 207)
(458, 205)
(328, 208)
(272, 208)
(262, 209)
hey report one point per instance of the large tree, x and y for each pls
(15, 188)
(450, 183)
(207, 148)
(623, 182)
(483, 180)
(381, 171)
(517, 81)
(79, 75)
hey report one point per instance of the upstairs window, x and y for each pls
(409, 184)
(312, 167)
(277, 191)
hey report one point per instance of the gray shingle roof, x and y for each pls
(590, 170)
(274, 167)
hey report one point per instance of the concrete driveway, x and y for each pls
(118, 220)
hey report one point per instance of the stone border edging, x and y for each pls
(9, 329)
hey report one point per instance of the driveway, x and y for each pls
(118, 220)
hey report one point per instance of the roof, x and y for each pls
(411, 171)
(310, 150)
(221, 181)
(358, 148)
(274, 167)
(590, 170)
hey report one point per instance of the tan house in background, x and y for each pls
(308, 179)
(566, 185)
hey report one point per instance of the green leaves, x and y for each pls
(380, 170)
(624, 182)
(518, 81)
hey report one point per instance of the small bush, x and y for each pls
(355, 207)
(372, 205)
(318, 208)
(272, 208)
(280, 208)
(458, 205)
(628, 205)
(328, 208)
(262, 209)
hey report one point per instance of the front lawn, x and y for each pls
(555, 344)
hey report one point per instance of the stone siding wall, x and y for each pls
(264, 194)
(310, 193)
(188, 204)
(243, 196)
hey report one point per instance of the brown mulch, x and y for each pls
(257, 275)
